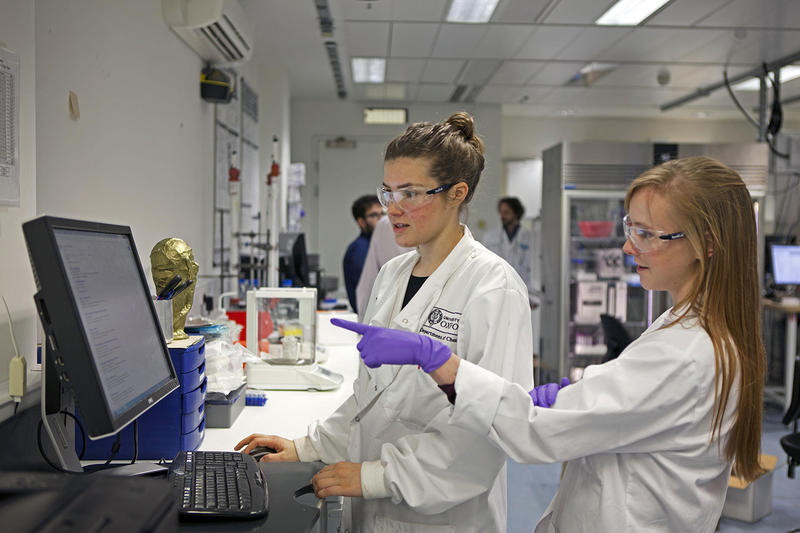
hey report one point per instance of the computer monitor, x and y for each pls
(293, 259)
(102, 332)
(785, 264)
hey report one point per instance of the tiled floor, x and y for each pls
(530, 488)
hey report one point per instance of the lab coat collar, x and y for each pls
(414, 314)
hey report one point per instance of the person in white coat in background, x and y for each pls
(651, 437)
(389, 447)
(512, 241)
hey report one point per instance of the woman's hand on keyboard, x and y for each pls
(284, 448)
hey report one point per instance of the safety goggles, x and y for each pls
(646, 240)
(409, 198)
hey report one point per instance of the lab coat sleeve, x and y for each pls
(638, 402)
(327, 439)
(446, 465)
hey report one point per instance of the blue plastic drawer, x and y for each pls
(193, 439)
(194, 399)
(187, 359)
(194, 378)
(190, 421)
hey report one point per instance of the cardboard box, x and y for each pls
(751, 501)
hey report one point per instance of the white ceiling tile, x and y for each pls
(547, 41)
(592, 42)
(555, 74)
(434, 93)
(458, 40)
(404, 69)
(359, 10)
(502, 41)
(385, 91)
(685, 12)
(565, 96)
(519, 10)
(751, 47)
(478, 71)
(442, 70)
(498, 94)
(413, 40)
(367, 39)
(516, 72)
(533, 95)
(418, 10)
(577, 11)
(659, 44)
(756, 13)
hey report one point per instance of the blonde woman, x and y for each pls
(390, 448)
(651, 437)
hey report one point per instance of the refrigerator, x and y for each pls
(583, 270)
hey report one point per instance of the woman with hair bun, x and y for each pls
(389, 447)
(650, 438)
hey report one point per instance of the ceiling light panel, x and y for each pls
(471, 11)
(368, 70)
(629, 12)
(385, 115)
(788, 73)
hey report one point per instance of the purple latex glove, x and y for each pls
(545, 395)
(384, 346)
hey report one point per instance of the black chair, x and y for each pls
(616, 336)
(791, 443)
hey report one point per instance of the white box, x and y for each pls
(591, 301)
(752, 501)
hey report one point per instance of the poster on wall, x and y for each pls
(9, 128)
(227, 154)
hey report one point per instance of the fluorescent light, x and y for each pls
(471, 10)
(385, 115)
(629, 12)
(788, 72)
(368, 69)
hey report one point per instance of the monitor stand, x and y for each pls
(263, 375)
(60, 429)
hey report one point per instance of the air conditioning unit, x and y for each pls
(218, 30)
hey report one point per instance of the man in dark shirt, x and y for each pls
(366, 212)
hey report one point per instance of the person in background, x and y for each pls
(389, 447)
(366, 212)
(651, 437)
(511, 241)
(382, 247)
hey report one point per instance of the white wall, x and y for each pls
(16, 282)
(313, 122)
(141, 153)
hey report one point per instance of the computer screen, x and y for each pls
(785, 264)
(99, 320)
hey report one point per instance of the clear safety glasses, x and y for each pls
(647, 240)
(409, 198)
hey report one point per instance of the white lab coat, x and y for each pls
(419, 473)
(517, 251)
(636, 432)
(382, 247)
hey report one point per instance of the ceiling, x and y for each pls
(524, 57)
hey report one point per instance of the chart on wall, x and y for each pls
(9, 127)
(250, 170)
(227, 142)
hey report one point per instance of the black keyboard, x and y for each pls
(222, 484)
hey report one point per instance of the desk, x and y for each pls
(288, 413)
(791, 342)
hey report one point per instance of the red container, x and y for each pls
(596, 228)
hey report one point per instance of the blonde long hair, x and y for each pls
(714, 210)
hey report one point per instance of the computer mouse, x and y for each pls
(260, 451)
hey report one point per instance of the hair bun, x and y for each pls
(464, 123)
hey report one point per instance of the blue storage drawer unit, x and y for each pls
(174, 424)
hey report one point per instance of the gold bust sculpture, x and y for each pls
(169, 257)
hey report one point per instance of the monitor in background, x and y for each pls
(103, 336)
(293, 259)
(785, 264)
